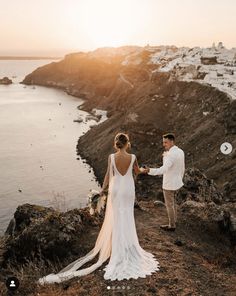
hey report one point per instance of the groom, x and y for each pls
(173, 171)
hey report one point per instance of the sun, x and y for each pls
(109, 22)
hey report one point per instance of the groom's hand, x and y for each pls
(144, 170)
(147, 169)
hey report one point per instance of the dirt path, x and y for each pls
(186, 269)
(200, 266)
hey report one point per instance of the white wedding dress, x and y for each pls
(117, 238)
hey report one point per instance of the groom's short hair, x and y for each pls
(169, 136)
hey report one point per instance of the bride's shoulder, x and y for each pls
(110, 156)
(132, 155)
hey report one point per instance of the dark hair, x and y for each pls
(169, 136)
(121, 140)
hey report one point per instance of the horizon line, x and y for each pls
(31, 57)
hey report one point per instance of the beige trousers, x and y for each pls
(170, 202)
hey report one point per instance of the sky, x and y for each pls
(58, 27)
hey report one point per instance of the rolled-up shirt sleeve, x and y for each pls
(168, 162)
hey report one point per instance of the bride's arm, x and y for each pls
(106, 178)
(137, 169)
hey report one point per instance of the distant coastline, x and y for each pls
(29, 58)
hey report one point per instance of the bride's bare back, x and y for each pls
(122, 162)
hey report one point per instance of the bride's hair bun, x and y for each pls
(121, 140)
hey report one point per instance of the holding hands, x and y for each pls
(144, 170)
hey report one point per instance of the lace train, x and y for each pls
(136, 263)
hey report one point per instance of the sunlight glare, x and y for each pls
(110, 22)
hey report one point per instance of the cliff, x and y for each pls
(146, 100)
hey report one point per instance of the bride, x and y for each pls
(117, 238)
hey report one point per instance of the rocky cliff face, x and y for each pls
(40, 233)
(146, 96)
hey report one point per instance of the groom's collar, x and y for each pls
(173, 147)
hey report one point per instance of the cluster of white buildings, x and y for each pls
(215, 65)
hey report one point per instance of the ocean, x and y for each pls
(38, 138)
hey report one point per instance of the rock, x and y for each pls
(153, 290)
(192, 207)
(3, 240)
(203, 210)
(11, 227)
(179, 242)
(26, 213)
(230, 118)
(44, 233)
(199, 188)
(226, 190)
(211, 213)
(227, 222)
(79, 119)
(5, 81)
(91, 117)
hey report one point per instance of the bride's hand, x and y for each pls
(144, 170)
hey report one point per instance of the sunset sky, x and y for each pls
(57, 27)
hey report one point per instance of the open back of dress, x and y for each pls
(117, 238)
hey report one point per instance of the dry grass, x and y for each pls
(59, 201)
(28, 274)
(2, 247)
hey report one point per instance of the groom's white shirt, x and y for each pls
(172, 169)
